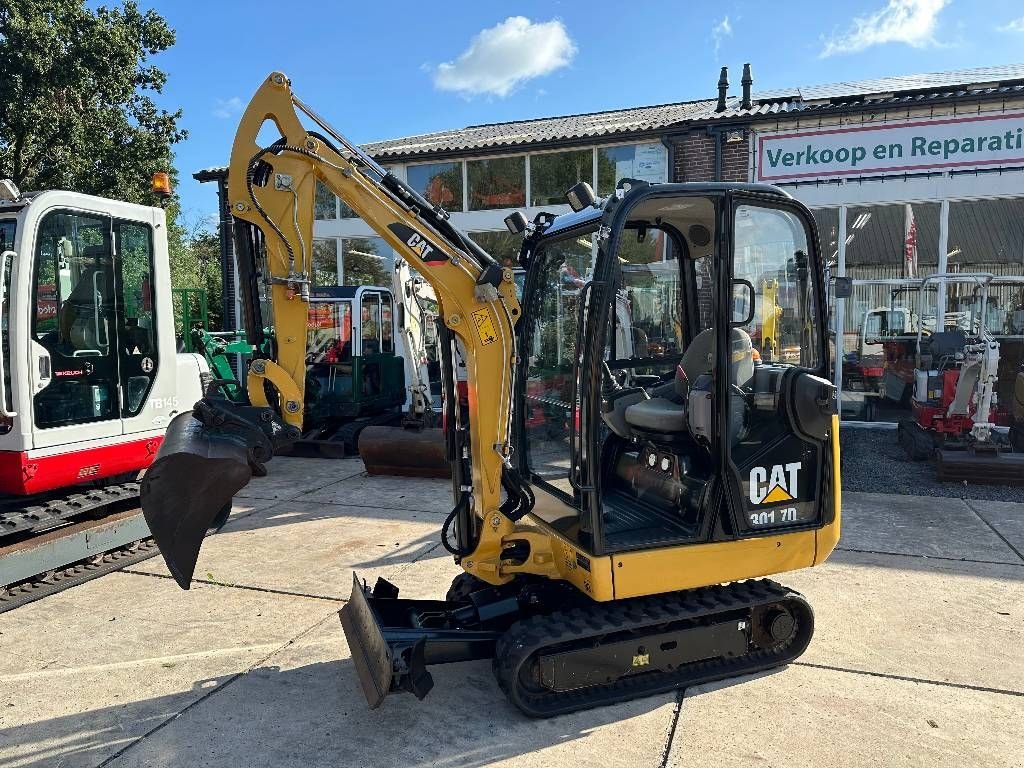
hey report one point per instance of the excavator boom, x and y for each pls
(271, 190)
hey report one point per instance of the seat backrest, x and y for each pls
(699, 359)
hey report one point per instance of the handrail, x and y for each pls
(4, 302)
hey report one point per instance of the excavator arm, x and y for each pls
(211, 452)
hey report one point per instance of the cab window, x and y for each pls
(370, 318)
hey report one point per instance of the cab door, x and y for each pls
(93, 355)
(73, 349)
(778, 412)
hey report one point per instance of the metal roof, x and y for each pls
(523, 133)
(935, 81)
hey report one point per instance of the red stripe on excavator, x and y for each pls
(21, 474)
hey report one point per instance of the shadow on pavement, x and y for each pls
(315, 715)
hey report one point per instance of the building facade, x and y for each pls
(906, 176)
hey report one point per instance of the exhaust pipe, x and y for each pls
(207, 456)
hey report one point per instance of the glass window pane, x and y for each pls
(324, 207)
(137, 324)
(325, 262)
(329, 332)
(886, 243)
(387, 327)
(366, 261)
(76, 319)
(771, 253)
(550, 341)
(646, 162)
(440, 183)
(502, 245)
(552, 174)
(370, 320)
(642, 247)
(7, 231)
(497, 183)
(988, 236)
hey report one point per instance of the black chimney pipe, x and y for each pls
(723, 87)
(747, 81)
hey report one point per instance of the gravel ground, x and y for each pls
(873, 461)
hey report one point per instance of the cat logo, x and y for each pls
(641, 659)
(423, 248)
(774, 486)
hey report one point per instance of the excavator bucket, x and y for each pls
(995, 467)
(207, 456)
(404, 452)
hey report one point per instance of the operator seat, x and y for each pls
(661, 414)
(84, 306)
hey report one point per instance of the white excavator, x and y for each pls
(89, 380)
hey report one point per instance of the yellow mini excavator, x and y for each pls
(626, 471)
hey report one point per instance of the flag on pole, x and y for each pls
(910, 244)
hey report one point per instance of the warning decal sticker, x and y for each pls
(484, 326)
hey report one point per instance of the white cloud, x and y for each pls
(720, 31)
(227, 108)
(1016, 25)
(912, 22)
(506, 55)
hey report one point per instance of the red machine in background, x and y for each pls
(954, 399)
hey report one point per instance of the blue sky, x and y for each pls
(389, 69)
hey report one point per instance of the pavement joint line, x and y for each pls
(909, 679)
(162, 724)
(247, 587)
(981, 517)
(930, 557)
(677, 709)
(371, 506)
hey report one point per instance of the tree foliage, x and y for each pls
(195, 263)
(76, 110)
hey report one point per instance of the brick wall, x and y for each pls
(694, 158)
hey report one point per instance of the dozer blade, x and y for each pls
(207, 456)
(980, 467)
(404, 452)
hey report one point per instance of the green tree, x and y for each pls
(75, 105)
(195, 263)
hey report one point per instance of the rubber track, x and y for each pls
(50, 583)
(527, 638)
(53, 513)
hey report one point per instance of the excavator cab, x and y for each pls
(636, 423)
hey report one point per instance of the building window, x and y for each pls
(440, 183)
(503, 246)
(366, 261)
(646, 162)
(988, 236)
(325, 262)
(892, 241)
(499, 182)
(325, 207)
(553, 173)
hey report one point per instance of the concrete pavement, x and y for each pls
(918, 655)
